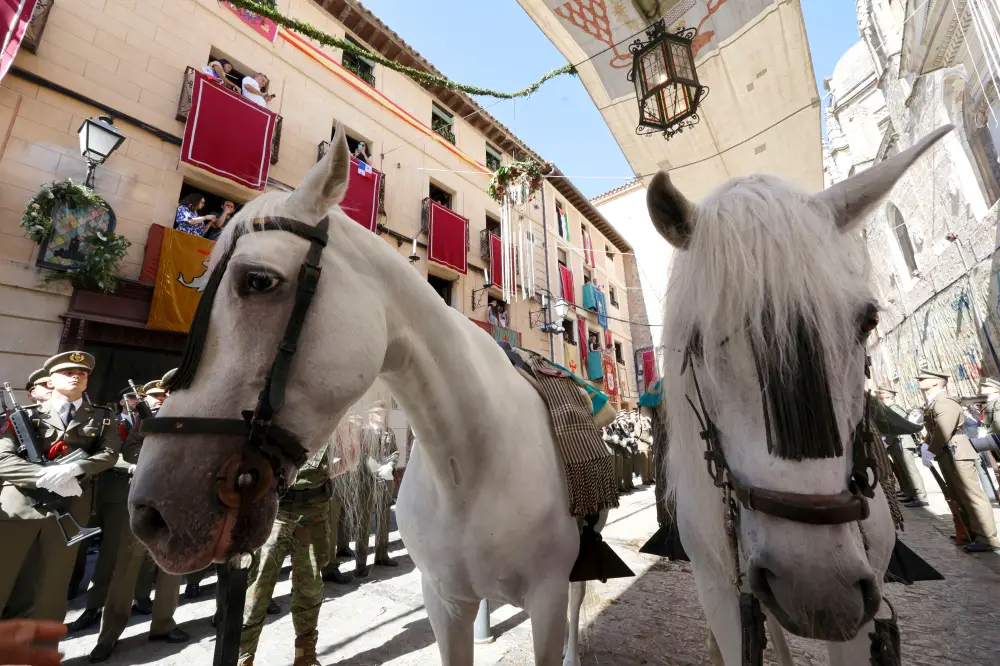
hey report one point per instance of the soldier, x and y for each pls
(38, 386)
(112, 518)
(374, 477)
(332, 572)
(948, 444)
(301, 527)
(65, 423)
(130, 558)
(902, 450)
(991, 411)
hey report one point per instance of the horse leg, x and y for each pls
(854, 651)
(546, 605)
(571, 652)
(721, 606)
(452, 624)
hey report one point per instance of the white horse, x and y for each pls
(769, 300)
(483, 508)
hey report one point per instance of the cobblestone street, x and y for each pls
(653, 618)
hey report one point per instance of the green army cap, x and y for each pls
(168, 377)
(37, 377)
(989, 381)
(70, 360)
(887, 389)
(932, 373)
(128, 391)
(154, 387)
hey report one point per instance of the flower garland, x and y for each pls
(418, 75)
(515, 175)
(100, 252)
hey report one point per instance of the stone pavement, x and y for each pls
(653, 618)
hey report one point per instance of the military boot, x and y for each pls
(305, 650)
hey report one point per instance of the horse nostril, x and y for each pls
(147, 522)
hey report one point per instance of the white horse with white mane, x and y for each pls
(483, 508)
(767, 310)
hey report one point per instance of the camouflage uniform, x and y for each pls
(301, 527)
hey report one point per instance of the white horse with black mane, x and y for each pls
(309, 305)
(764, 343)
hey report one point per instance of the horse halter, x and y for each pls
(247, 477)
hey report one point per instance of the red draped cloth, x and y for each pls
(448, 238)
(496, 260)
(228, 135)
(584, 345)
(566, 280)
(610, 376)
(361, 200)
(14, 18)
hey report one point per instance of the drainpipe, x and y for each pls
(548, 286)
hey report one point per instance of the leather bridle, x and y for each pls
(258, 468)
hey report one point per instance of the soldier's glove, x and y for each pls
(926, 455)
(131, 470)
(385, 472)
(70, 488)
(53, 476)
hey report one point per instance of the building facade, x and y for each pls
(138, 61)
(932, 241)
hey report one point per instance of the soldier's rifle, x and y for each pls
(141, 408)
(961, 531)
(32, 448)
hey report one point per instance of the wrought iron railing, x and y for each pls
(36, 26)
(359, 68)
(493, 162)
(443, 129)
(184, 108)
(484, 244)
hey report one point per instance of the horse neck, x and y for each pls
(444, 372)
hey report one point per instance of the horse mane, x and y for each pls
(765, 260)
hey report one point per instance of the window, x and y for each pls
(619, 354)
(442, 287)
(613, 295)
(214, 205)
(902, 234)
(492, 225)
(353, 141)
(361, 67)
(562, 220)
(587, 277)
(609, 254)
(568, 327)
(494, 159)
(561, 257)
(443, 122)
(439, 195)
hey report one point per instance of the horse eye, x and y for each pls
(868, 320)
(259, 282)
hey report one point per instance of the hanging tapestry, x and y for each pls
(360, 202)
(181, 277)
(70, 228)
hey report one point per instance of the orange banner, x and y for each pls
(180, 279)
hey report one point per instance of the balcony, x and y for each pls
(493, 162)
(36, 26)
(184, 109)
(443, 129)
(447, 236)
(360, 69)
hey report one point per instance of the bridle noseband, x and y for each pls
(248, 476)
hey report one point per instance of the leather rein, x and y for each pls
(248, 476)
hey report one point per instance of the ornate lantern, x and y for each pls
(666, 83)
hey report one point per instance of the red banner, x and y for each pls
(583, 344)
(14, 18)
(496, 260)
(610, 375)
(267, 28)
(648, 365)
(566, 280)
(361, 200)
(448, 238)
(228, 135)
(588, 250)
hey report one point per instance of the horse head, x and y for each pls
(242, 321)
(768, 310)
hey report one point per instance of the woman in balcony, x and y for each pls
(361, 153)
(187, 218)
(502, 315)
(255, 89)
(218, 70)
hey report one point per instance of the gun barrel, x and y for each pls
(10, 392)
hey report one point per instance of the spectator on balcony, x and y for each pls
(187, 218)
(255, 89)
(217, 70)
(215, 228)
(594, 343)
(502, 315)
(361, 153)
(493, 317)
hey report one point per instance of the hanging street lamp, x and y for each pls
(98, 139)
(666, 83)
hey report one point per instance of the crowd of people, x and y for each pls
(190, 219)
(91, 453)
(253, 88)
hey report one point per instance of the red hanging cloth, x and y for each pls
(566, 280)
(583, 344)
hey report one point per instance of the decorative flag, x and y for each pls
(180, 279)
(365, 169)
(610, 375)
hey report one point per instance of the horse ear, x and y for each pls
(326, 183)
(850, 199)
(671, 213)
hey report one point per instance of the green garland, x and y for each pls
(325, 39)
(514, 174)
(100, 252)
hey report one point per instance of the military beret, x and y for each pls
(168, 377)
(932, 373)
(887, 389)
(989, 381)
(154, 387)
(37, 377)
(70, 360)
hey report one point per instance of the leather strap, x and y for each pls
(844, 507)
(279, 438)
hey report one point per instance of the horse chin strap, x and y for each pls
(848, 506)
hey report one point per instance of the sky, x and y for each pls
(494, 44)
